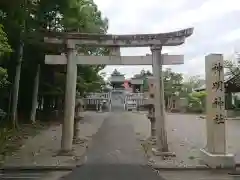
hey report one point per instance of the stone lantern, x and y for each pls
(149, 95)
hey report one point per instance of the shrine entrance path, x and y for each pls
(115, 154)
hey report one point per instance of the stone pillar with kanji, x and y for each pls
(215, 154)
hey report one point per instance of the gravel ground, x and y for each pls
(42, 149)
(115, 153)
(186, 136)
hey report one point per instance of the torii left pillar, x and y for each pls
(69, 106)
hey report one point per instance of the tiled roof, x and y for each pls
(203, 87)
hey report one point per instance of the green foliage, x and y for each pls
(196, 102)
(172, 82)
(143, 74)
(84, 16)
(200, 95)
(3, 78)
(25, 21)
(175, 86)
(4, 49)
(4, 46)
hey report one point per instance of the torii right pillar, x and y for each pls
(214, 154)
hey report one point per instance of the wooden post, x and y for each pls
(214, 155)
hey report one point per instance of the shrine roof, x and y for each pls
(232, 84)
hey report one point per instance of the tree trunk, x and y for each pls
(35, 96)
(16, 85)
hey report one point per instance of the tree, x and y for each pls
(143, 74)
(4, 49)
(232, 68)
(24, 22)
(19, 15)
(172, 85)
(190, 84)
(4, 46)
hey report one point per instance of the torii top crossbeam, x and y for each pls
(134, 40)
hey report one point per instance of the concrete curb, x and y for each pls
(194, 169)
(234, 173)
(39, 168)
(181, 168)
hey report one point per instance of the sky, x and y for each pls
(216, 28)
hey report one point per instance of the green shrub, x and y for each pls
(196, 102)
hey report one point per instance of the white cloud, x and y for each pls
(209, 10)
(231, 36)
(216, 27)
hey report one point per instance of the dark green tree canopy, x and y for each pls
(24, 22)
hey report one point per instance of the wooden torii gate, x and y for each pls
(155, 41)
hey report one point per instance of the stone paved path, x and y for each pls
(115, 154)
(117, 102)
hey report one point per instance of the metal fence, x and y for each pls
(95, 99)
(133, 100)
